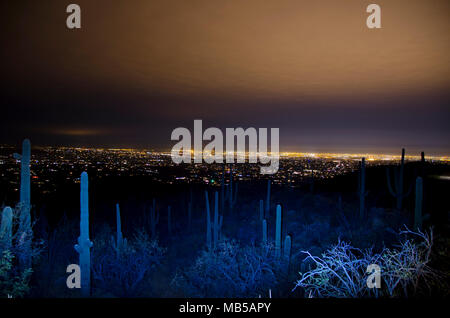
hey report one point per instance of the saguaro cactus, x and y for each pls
(84, 243)
(264, 232)
(215, 226)
(218, 220)
(398, 193)
(418, 215)
(119, 243)
(422, 164)
(362, 187)
(6, 229)
(25, 205)
(278, 233)
(268, 198)
(25, 158)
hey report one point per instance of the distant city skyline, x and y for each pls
(283, 153)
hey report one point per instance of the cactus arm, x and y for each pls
(411, 186)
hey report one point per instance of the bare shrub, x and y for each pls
(124, 273)
(230, 271)
(341, 270)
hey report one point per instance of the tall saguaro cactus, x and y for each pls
(422, 164)
(398, 192)
(362, 187)
(118, 224)
(25, 159)
(278, 233)
(218, 220)
(84, 243)
(25, 205)
(213, 228)
(6, 229)
(120, 242)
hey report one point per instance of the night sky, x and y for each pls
(138, 69)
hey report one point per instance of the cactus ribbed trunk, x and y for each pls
(119, 227)
(218, 220)
(84, 243)
(422, 164)
(278, 233)
(25, 173)
(25, 231)
(264, 232)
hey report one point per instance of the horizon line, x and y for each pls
(351, 154)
